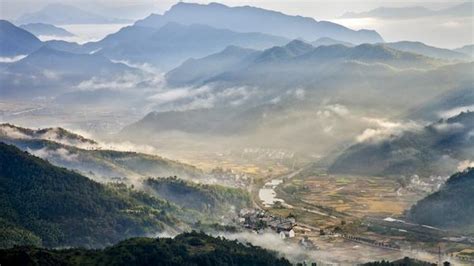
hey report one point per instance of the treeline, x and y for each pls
(402, 262)
(185, 249)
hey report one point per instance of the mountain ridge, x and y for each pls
(282, 25)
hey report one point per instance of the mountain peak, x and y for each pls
(298, 46)
(15, 40)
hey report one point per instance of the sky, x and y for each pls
(443, 32)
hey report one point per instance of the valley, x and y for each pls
(353, 215)
(236, 133)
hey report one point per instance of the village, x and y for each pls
(260, 221)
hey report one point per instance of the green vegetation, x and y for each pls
(66, 149)
(451, 206)
(44, 204)
(185, 249)
(436, 149)
(403, 262)
(209, 199)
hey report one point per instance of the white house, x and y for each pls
(287, 234)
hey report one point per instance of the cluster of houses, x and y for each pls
(260, 221)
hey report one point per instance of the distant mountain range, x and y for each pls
(328, 41)
(252, 19)
(16, 41)
(254, 93)
(247, 65)
(42, 29)
(437, 149)
(467, 49)
(47, 72)
(430, 51)
(450, 207)
(172, 43)
(60, 14)
(460, 10)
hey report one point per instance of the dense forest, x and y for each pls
(208, 199)
(450, 207)
(185, 249)
(44, 205)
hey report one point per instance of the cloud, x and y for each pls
(455, 111)
(123, 82)
(127, 146)
(338, 109)
(11, 59)
(176, 94)
(13, 133)
(51, 74)
(463, 165)
(143, 67)
(448, 127)
(383, 129)
(191, 98)
(60, 153)
(300, 94)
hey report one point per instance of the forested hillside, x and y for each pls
(186, 249)
(451, 207)
(212, 200)
(45, 205)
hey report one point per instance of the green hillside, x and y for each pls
(451, 207)
(212, 200)
(185, 249)
(66, 149)
(436, 149)
(43, 204)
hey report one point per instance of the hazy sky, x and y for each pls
(446, 32)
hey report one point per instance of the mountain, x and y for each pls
(65, 46)
(173, 43)
(426, 50)
(253, 96)
(47, 72)
(459, 10)
(450, 207)
(445, 105)
(86, 156)
(60, 14)
(436, 149)
(15, 41)
(50, 206)
(291, 58)
(211, 200)
(252, 19)
(467, 49)
(39, 29)
(196, 71)
(186, 249)
(328, 41)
